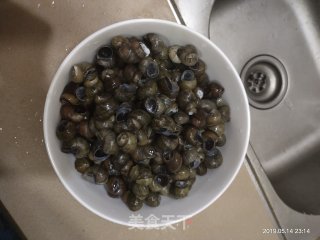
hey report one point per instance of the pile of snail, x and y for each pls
(143, 119)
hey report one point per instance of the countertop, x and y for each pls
(35, 36)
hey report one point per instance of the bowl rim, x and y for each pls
(90, 38)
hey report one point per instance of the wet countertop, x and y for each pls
(35, 36)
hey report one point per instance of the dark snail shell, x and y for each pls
(180, 192)
(119, 41)
(82, 164)
(182, 174)
(78, 71)
(126, 168)
(77, 146)
(188, 55)
(173, 54)
(112, 168)
(154, 42)
(168, 87)
(104, 124)
(138, 119)
(109, 73)
(213, 160)
(149, 67)
(199, 119)
(192, 158)
(127, 141)
(158, 159)
(105, 56)
(126, 54)
(181, 117)
(123, 111)
(84, 130)
(172, 109)
(166, 126)
(154, 105)
(122, 127)
(112, 84)
(66, 130)
(69, 94)
(160, 183)
(214, 118)
(106, 109)
(199, 68)
(142, 153)
(80, 94)
(115, 187)
(144, 177)
(203, 80)
(221, 141)
(185, 99)
(141, 191)
(225, 113)
(139, 47)
(210, 139)
(91, 92)
(214, 90)
(96, 174)
(207, 105)
(153, 199)
(201, 169)
(144, 136)
(158, 168)
(97, 154)
(134, 203)
(173, 161)
(109, 143)
(90, 77)
(149, 89)
(74, 113)
(192, 135)
(167, 143)
(218, 129)
(125, 92)
(120, 159)
(188, 80)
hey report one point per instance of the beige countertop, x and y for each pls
(35, 36)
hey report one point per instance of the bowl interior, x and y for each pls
(207, 188)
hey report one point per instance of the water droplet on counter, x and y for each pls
(40, 120)
(52, 4)
(38, 5)
(83, 5)
(15, 137)
(27, 153)
(1, 129)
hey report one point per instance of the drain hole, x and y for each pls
(265, 80)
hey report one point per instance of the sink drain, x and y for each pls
(265, 80)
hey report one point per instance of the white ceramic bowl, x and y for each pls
(206, 189)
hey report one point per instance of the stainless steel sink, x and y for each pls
(275, 46)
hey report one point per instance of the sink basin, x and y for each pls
(275, 47)
(285, 138)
